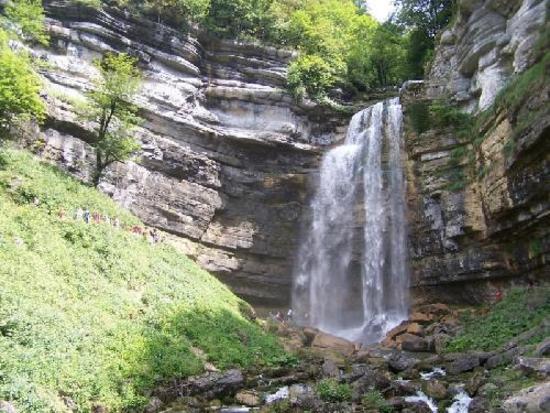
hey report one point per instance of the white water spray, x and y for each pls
(351, 278)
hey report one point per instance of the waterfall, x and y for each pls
(351, 275)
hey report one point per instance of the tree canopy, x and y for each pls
(111, 108)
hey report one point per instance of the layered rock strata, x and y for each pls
(479, 207)
(226, 151)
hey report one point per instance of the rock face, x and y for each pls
(489, 41)
(478, 205)
(226, 152)
(228, 156)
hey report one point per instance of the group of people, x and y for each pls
(281, 318)
(94, 217)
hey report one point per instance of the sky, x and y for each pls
(380, 9)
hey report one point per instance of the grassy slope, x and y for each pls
(96, 313)
(519, 311)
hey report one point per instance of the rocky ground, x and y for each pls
(410, 371)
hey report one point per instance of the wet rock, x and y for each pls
(209, 386)
(536, 366)
(6, 407)
(423, 318)
(301, 395)
(404, 387)
(324, 341)
(479, 404)
(375, 380)
(436, 389)
(416, 329)
(248, 398)
(543, 349)
(400, 329)
(499, 359)
(535, 399)
(475, 382)
(99, 408)
(154, 405)
(410, 342)
(464, 363)
(401, 361)
(330, 369)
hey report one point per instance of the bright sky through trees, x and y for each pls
(380, 9)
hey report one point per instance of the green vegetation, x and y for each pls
(330, 390)
(424, 19)
(19, 87)
(95, 313)
(28, 17)
(374, 400)
(519, 311)
(111, 108)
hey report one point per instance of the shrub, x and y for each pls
(520, 310)
(19, 86)
(374, 400)
(28, 15)
(330, 390)
(312, 75)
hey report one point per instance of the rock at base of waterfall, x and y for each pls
(248, 398)
(436, 389)
(411, 342)
(535, 399)
(324, 341)
(535, 366)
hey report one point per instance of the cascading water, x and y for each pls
(351, 276)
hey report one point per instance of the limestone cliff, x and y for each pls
(226, 151)
(228, 155)
(478, 203)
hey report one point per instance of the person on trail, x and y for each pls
(289, 314)
(87, 216)
(116, 223)
(96, 217)
(78, 214)
(61, 214)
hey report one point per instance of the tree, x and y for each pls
(28, 15)
(110, 106)
(19, 86)
(424, 19)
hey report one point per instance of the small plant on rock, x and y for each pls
(374, 400)
(330, 390)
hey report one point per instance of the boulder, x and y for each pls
(248, 398)
(400, 329)
(466, 362)
(499, 359)
(301, 395)
(6, 407)
(535, 399)
(416, 329)
(154, 405)
(410, 342)
(479, 405)
(418, 317)
(330, 369)
(543, 349)
(401, 361)
(536, 366)
(324, 341)
(436, 389)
